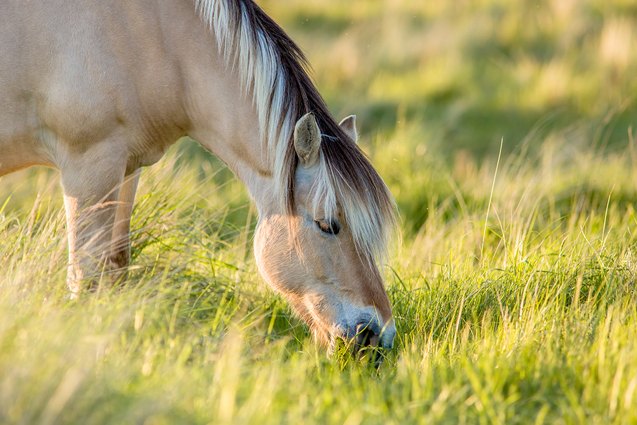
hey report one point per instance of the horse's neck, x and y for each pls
(223, 117)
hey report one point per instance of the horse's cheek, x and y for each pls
(269, 254)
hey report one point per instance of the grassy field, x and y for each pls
(506, 132)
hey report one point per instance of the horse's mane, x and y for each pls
(273, 68)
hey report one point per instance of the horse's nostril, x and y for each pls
(367, 342)
(366, 335)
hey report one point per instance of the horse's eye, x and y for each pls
(331, 227)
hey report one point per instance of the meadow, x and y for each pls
(504, 129)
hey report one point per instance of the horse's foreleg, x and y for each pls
(120, 255)
(91, 189)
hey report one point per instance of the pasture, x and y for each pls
(506, 132)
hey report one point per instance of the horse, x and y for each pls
(101, 88)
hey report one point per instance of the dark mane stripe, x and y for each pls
(360, 192)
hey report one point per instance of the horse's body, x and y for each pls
(99, 88)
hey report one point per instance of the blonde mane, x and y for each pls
(273, 69)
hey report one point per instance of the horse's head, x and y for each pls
(313, 256)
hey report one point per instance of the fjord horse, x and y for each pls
(100, 88)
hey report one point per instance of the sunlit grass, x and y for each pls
(535, 322)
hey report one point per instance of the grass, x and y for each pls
(513, 291)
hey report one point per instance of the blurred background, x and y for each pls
(439, 86)
(473, 72)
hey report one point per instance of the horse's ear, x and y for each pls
(307, 139)
(349, 127)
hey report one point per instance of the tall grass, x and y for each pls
(513, 287)
(533, 320)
